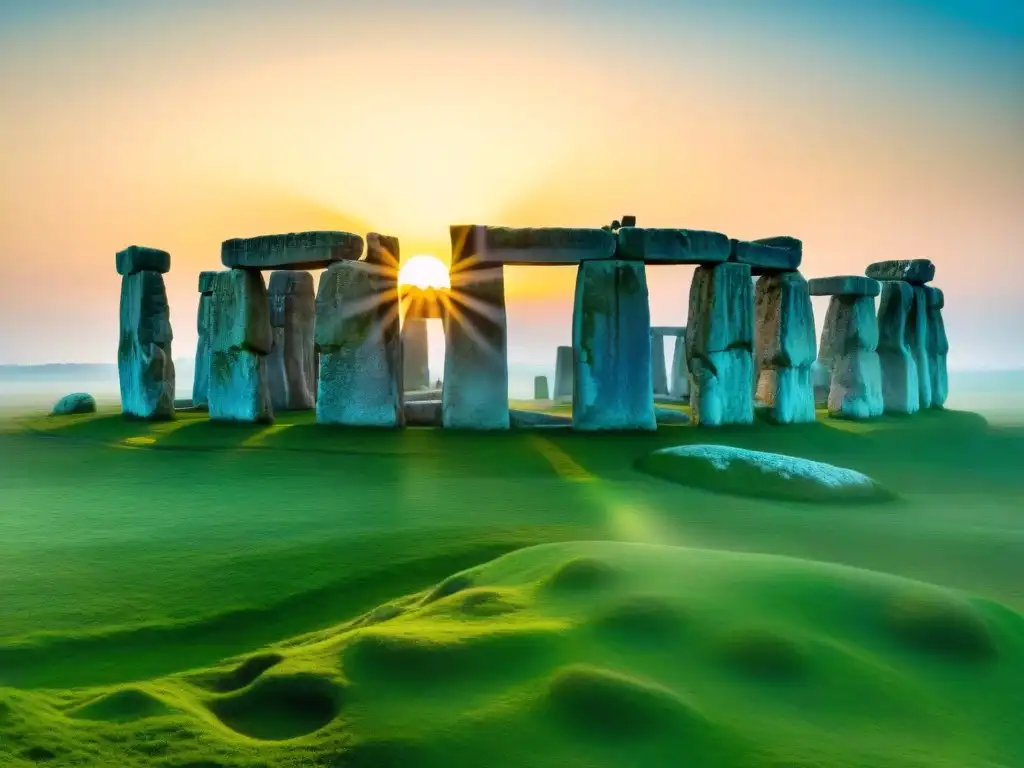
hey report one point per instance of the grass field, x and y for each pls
(192, 595)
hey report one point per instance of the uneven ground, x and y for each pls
(197, 595)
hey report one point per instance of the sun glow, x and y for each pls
(424, 271)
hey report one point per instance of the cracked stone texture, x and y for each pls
(144, 363)
(900, 391)
(785, 344)
(292, 363)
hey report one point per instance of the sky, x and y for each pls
(871, 130)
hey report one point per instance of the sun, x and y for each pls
(424, 271)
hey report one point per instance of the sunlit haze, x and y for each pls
(424, 271)
(870, 130)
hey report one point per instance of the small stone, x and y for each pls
(77, 402)
(844, 285)
(769, 254)
(139, 258)
(297, 250)
(917, 271)
(672, 246)
(563, 374)
(629, 221)
(540, 388)
(548, 245)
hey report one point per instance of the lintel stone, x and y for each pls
(296, 250)
(139, 258)
(672, 246)
(844, 285)
(768, 254)
(529, 246)
(917, 271)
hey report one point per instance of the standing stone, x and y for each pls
(358, 336)
(849, 346)
(821, 381)
(917, 340)
(240, 340)
(144, 364)
(611, 336)
(679, 380)
(292, 362)
(900, 389)
(563, 375)
(201, 374)
(938, 347)
(659, 376)
(540, 388)
(785, 347)
(415, 359)
(719, 344)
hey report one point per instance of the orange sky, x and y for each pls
(180, 130)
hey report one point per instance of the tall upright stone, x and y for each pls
(475, 391)
(240, 340)
(416, 369)
(659, 374)
(292, 362)
(679, 377)
(849, 346)
(201, 372)
(719, 344)
(358, 336)
(540, 388)
(785, 345)
(938, 347)
(611, 336)
(900, 389)
(563, 375)
(145, 367)
(917, 340)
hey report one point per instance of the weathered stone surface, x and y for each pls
(475, 393)
(537, 420)
(358, 336)
(849, 344)
(769, 254)
(938, 348)
(479, 245)
(77, 402)
(240, 338)
(296, 250)
(917, 341)
(144, 363)
(139, 258)
(292, 362)
(422, 413)
(821, 380)
(415, 358)
(679, 376)
(201, 372)
(540, 388)
(672, 246)
(611, 335)
(719, 345)
(785, 347)
(917, 271)
(844, 285)
(900, 392)
(564, 370)
(383, 250)
(207, 279)
(434, 393)
(670, 416)
(659, 374)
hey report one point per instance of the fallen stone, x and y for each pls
(670, 416)
(917, 341)
(917, 271)
(139, 258)
(383, 250)
(768, 255)
(843, 285)
(900, 391)
(611, 334)
(415, 357)
(785, 343)
(292, 363)
(422, 413)
(672, 246)
(297, 250)
(743, 472)
(540, 388)
(144, 363)
(938, 347)
(475, 394)
(719, 345)
(519, 419)
(240, 339)
(659, 374)
(679, 376)
(358, 336)
(77, 402)
(481, 245)
(563, 375)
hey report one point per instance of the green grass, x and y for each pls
(328, 567)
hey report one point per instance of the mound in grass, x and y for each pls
(597, 654)
(745, 472)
